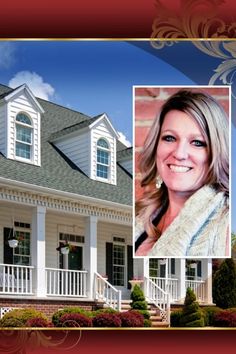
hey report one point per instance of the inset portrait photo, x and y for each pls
(182, 169)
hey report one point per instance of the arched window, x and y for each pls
(24, 134)
(103, 158)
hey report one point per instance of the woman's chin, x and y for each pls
(182, 188)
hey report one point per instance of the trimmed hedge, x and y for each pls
(106, 320)
(75, 320)
(192, 315)
(38, 322)
(175, 317)
(131, 319)
(138, 299)
(209, 313)
(225, 318)
(19, 317)
(68, 310)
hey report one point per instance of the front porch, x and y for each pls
(98, 268)
(20, 281)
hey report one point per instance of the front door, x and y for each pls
(75, 258)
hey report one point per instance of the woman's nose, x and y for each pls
(181, 151)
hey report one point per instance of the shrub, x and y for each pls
(139, 305)
(232, 309)
(225, 318)
(145, 313)
(138, 299)
(137, 294)
(175, 317)
(98, 312)
(38, 322)
(57, 315)
(107, 320)
(147, 323)
(224, 285)
(131, 319)
(191, 314)
(209, 313)
(21, 316)
(75, 320)
(11, 322)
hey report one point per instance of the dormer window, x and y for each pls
(103, 158)
(24, 133)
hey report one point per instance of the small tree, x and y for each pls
(224, 285)
(138, 299)
(191, 315)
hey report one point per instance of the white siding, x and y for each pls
(54, 224)
(3, 129)
(18, 104)
(76, 148)
(127, 165)
(106, 232)
(102, 131)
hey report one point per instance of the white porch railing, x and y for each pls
(156, 295)
(16, 279)
(169, 285)
(198, 287)
(106, 292)
(64, 282)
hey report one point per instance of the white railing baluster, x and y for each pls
(105, 291)
(16, 279)
(169, 285)
(158, 296)
(198, 287)
(65, 282)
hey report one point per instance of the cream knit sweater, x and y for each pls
(199, 230)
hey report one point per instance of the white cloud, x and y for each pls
(122, 138)
(35, 82)
(7, 51)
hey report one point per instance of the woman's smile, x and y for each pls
(179, 169)
(182, 153)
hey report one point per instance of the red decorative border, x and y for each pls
(103, 18)
(106, 19)
(117, 341)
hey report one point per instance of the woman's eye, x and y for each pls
(168, 138)
(199, 143)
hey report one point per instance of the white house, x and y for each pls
(65, 177)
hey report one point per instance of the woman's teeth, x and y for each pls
(175, 168)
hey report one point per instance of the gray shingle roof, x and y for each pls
(73, 128)
(56, 172)
(124, 154)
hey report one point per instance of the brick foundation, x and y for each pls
(48, 307)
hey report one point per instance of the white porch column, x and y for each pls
(142, 271)
(143, 267)
(90, 255)
(38, 250)
(207, 277)
(180, 275)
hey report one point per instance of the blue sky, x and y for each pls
(89, 76)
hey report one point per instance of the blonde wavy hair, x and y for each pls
(213, 123)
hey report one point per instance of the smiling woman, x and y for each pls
(184, 165)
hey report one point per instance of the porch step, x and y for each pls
(155, 318)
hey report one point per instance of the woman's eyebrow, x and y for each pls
(192, 135)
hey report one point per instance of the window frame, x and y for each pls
(22, 229)
(19, 124)
(124, 266)
(98, 163)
